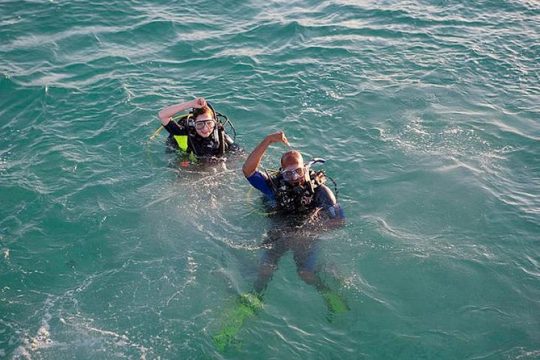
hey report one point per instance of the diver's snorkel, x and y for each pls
(322, 161)
(217, 135)
(308, 168)
(315, 161)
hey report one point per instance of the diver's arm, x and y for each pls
(337, 218)
(254, 159)
(327, 201)
(166, 114)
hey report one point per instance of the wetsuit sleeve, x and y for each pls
(260, 182)
(174, 129)
(324, 198)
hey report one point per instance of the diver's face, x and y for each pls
(293, 172)
(204, 125)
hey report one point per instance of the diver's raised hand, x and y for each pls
(199, 103)
(278, 137)
(166, 113)
(254, 159)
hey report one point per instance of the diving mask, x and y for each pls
(293, 174)
(201, 124)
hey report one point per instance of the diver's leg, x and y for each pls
(268, 264)
(248, 304)
(306, 261)
(305, 257)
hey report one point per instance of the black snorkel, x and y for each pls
(219, 131)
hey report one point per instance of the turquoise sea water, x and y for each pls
(427, 114)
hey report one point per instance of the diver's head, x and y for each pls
(292, 168)
(204, 121)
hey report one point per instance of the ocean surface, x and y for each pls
(428, 116)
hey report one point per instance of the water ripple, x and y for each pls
(426, 113)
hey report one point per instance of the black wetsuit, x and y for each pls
(198, 145)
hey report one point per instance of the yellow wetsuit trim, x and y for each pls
(182, 141)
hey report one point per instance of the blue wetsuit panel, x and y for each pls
(260, 182)
(325, 198)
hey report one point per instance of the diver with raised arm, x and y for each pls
(300, 194)
(304, 206)
(199, 133)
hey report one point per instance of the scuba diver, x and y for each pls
(200, 133)
(304, 206)
(299, 194)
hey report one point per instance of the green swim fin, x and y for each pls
(246, 306)
(334, 302)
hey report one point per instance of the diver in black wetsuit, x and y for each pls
(198, 134)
